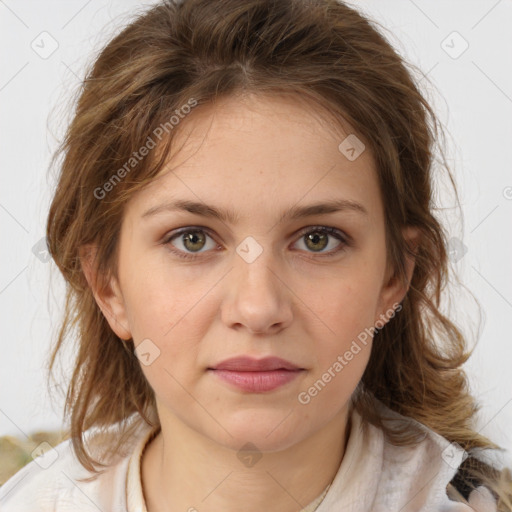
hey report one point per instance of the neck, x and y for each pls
(183, 470)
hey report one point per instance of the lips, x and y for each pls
(249, 364)
(256, 375)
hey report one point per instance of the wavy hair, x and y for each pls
(202, 50)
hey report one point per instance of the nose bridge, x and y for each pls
(258, 299)
(256, 269)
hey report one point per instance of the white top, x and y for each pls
(374, 475)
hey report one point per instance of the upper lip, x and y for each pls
(250, 364)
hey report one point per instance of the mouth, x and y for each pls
(250, 364)
(256, 375)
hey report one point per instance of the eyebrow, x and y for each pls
(294, 213)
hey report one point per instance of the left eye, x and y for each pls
(317, 239)
(189, 242)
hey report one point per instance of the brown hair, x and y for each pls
(177, 53)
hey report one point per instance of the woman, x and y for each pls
(244, 218)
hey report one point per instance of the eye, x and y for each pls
(316, 239)
(189, 242)
(189, 239)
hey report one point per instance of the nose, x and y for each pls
(258, 298)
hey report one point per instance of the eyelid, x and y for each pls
(345, 239)
(168, 237)
(330, 230)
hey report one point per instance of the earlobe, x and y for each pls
(108, 296)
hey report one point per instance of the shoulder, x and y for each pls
(429, 471)
(57, 482)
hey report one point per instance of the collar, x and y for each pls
(374, 474)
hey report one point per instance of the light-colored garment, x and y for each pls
(374, 476)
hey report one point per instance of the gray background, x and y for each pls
(471, 89)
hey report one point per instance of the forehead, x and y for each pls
(257, 154)
(253, 122)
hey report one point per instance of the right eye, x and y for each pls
(192, 239)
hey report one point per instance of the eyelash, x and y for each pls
(336, 233)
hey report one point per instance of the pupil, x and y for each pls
(316, 237)
(193, 238)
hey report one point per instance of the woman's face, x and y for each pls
(250, 270)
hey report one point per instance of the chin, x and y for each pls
(275, 431)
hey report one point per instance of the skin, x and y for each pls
(258, 156)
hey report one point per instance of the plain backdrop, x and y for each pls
(463, 48)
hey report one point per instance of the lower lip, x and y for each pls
(257, 382)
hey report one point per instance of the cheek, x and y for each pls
(343, 335)
(163, 299)
(344, 307)
(341, 355)
(175, 324)
(171, 310)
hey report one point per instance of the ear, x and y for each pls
(394, 290)
(108, 296)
